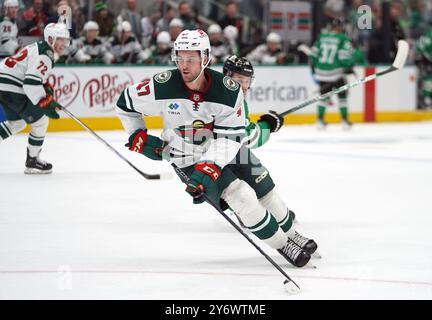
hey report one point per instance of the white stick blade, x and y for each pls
(402, 54)
(305, 49)
(290, 287)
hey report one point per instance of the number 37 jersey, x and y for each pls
(27, 71)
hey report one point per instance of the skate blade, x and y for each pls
(316, 255)
(309, 265)
(36, 171)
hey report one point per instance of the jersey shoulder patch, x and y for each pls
(163, 76)
(230, 84)
(169, 85)
(224, 90)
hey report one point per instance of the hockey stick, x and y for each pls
(305, 49)
(289, 284)
(398, 63)
(145, 175)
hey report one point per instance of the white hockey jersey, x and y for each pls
(8, 37)
(27, 71)
(198, 126)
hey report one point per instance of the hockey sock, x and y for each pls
(4, 131)
(427, 88)
(321, 111)
(273, 203)
(9, 128)
(343, 109)
(37, 136)
(242, 199)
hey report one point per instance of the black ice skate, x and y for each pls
(306, 244)
(34, 165)
(294, 254)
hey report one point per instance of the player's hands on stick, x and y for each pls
(49, 88)
(203, 179)
(150, 146)
(49, 106)
(274, 120)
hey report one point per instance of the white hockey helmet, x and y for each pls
(214, 28)
(163, 37)
(230, 33)
(273, 37)
(56, 30)
(10, 3)
(176, 22)
(91, 25)
(125, 26)
(192, 40)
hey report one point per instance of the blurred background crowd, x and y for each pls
(134, 31)
(142, 32)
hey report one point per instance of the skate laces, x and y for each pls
(291, 249)
(299, 239)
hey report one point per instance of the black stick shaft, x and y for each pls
(208, 200)
(145, 175)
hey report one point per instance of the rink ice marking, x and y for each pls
(401, 282)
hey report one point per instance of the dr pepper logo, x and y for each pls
(66, 87)
(103, 91)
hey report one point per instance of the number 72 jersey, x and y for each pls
(27, 71)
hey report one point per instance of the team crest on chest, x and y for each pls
(230, 84)
(163, 77)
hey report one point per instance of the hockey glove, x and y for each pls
(144, 143)
(202, 180)
(49, 88)
(49, 106)
(274, 120)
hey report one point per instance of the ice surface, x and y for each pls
(95, 229)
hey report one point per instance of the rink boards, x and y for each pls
(91, 93)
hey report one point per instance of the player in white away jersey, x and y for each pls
(8, 29)
(26, 96)
(203, 128)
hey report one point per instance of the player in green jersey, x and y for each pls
(257, 134)
(424, 63)
(333, 57)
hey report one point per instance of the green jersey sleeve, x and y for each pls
(257, 134)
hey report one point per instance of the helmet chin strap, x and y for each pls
(202, 69)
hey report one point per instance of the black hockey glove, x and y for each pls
(274, 120)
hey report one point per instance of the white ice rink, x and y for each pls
(95, 229)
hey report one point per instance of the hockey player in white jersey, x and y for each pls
(124, 47)
(26, 96)
(203, 127)
(8, 29)
(90, 48)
